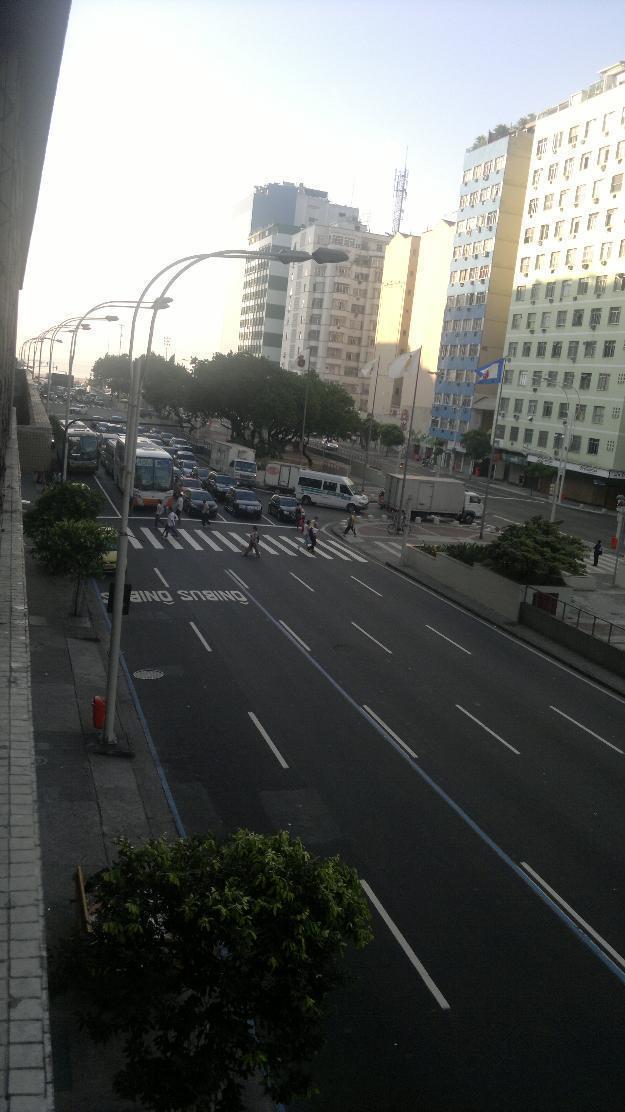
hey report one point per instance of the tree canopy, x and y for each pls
(113, 373)
(63, 502)
(74, 548)
(214, 962)
(476, 443)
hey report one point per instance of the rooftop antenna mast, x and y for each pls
(400, 192)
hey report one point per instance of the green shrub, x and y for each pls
(63, 502)
(536, 551)
(466, 552)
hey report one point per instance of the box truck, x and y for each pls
(228, 458)
(433, 497)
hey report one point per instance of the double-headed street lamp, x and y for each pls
(179, 266)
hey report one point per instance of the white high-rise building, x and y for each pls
(332, 308)
(277, 211)
(563, 395)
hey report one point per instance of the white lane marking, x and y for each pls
(282, 547)
(263, 733)
(267, 519)
(332, 544)
(587, 730)
(298, 545)
(242, 541)
(237, 579)
(502, 518)
(437, 631)
(374, 639)
(149, 535)
(294, 635)
(333, 551)
(220, 517)
(190, 540)
(133, 540)
(306, 585)
(319, 552)
(271, 551)
(108, 499)
(578, 919)
(409, 952)
(382, 723)
(488, 729)
(228, 544)
(383, 544)
(172, 541)
(363, 584)
(397, 573)
(162, 578)
(200, 637)
(208, 540)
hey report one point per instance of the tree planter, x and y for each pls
(501, 596)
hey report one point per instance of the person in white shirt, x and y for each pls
(171, 523)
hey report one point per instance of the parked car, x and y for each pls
(182, 454)
(219, 485)
(202, 474)
(178, 443)
(194, 501)
(191, 484)
(328, 442)
(188, 468)
(243, 503)
(284, 507)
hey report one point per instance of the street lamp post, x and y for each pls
(414, 402)
(72, 351)
(563, 460)
(301, 362)
(180, 267)
(491, 462)
(371, 418)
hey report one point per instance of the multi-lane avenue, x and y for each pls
(476, 785)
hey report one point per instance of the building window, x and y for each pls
(614, 315)
(518, 407)
(567, 379)
(593, 446)
(550, 290)
(523, 378)
(567, 169)
(519, 294)
(542, 439)
(561, 318)
(605, 252)
(603, 382)
(541, 349)
(548, 202)
(609, 347)
(558, 229)
(609, 218)
(582, 286)
(563, 411)
(524, 266)
(578, 318)
(601, 284)
(547, 409)
(565, 288)
(556, 350)
(610, 445)
(537, 377)
(545, 320)
(552, 378)
(575, 444)
(514, 434)
(543, 233)
(516, 320)
(528, 235)
(528, 436)
(616, 184)
(512, 349)
(570, 257)
(532, 406)
(592, 221)
(541, 147)
(554, 260)
(584, 162)
(587, 256)
(595, 318)
(598, 413)
(558, 440)
(619, 283)
(526, 350)
(507, 377)
(580, 412)
(536, 176)
(616, 412)
(585, 380)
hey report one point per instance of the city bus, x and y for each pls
(154, 472)
(82, 448)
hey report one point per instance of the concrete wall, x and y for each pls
(583, 643)
(501, 596)
(393, 322)
(34, 433)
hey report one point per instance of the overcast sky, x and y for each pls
(168, 113)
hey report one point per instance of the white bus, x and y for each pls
(321, 489)
(154, 472)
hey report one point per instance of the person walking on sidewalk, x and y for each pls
(597, 552)
(252, 542)
(351, 524)
(205, 513)
(171, 523)
(312, 535)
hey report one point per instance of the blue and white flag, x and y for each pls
(491, 373)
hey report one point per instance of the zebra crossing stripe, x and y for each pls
(133, 540)
(208, 540)
(187, 536)
(242, 541)
(297, 545)
(173, 542)
(226, 542)
(282, 547)
(150, 536)
(343, 548)
(335, 552)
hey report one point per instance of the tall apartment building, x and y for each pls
(393, 323)
(563, 395)
(492, 194)
(277, 211)
(332, 308)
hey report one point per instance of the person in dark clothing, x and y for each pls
(597, 552)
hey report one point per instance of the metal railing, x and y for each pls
(581, 619)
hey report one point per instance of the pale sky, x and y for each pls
(168, 112)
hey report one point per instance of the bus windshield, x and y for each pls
(84, 446)
(153, 474)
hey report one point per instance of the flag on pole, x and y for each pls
(367, 368)
(404, 364)
(486, 376)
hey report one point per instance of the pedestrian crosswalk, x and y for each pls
(226, 540)
(605, 565)
(391, 548)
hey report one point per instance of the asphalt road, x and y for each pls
(476, 785)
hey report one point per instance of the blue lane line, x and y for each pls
(146, 729)
(462, 814)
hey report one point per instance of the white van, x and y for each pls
(320, 489)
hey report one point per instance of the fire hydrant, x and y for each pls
(98, 706)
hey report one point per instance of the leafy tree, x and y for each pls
(538, 475)
(113, 373)
(165, 385)
(369, 431)
(214, 962)
(477, 444)
(74, 548)
(391, 436)
(536, 552)
(64, 502)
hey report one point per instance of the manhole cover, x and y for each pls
(148, 674)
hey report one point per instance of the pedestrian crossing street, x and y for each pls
(225, 540)
(605, 565)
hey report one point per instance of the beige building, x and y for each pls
(412, 303)
(563, 396)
